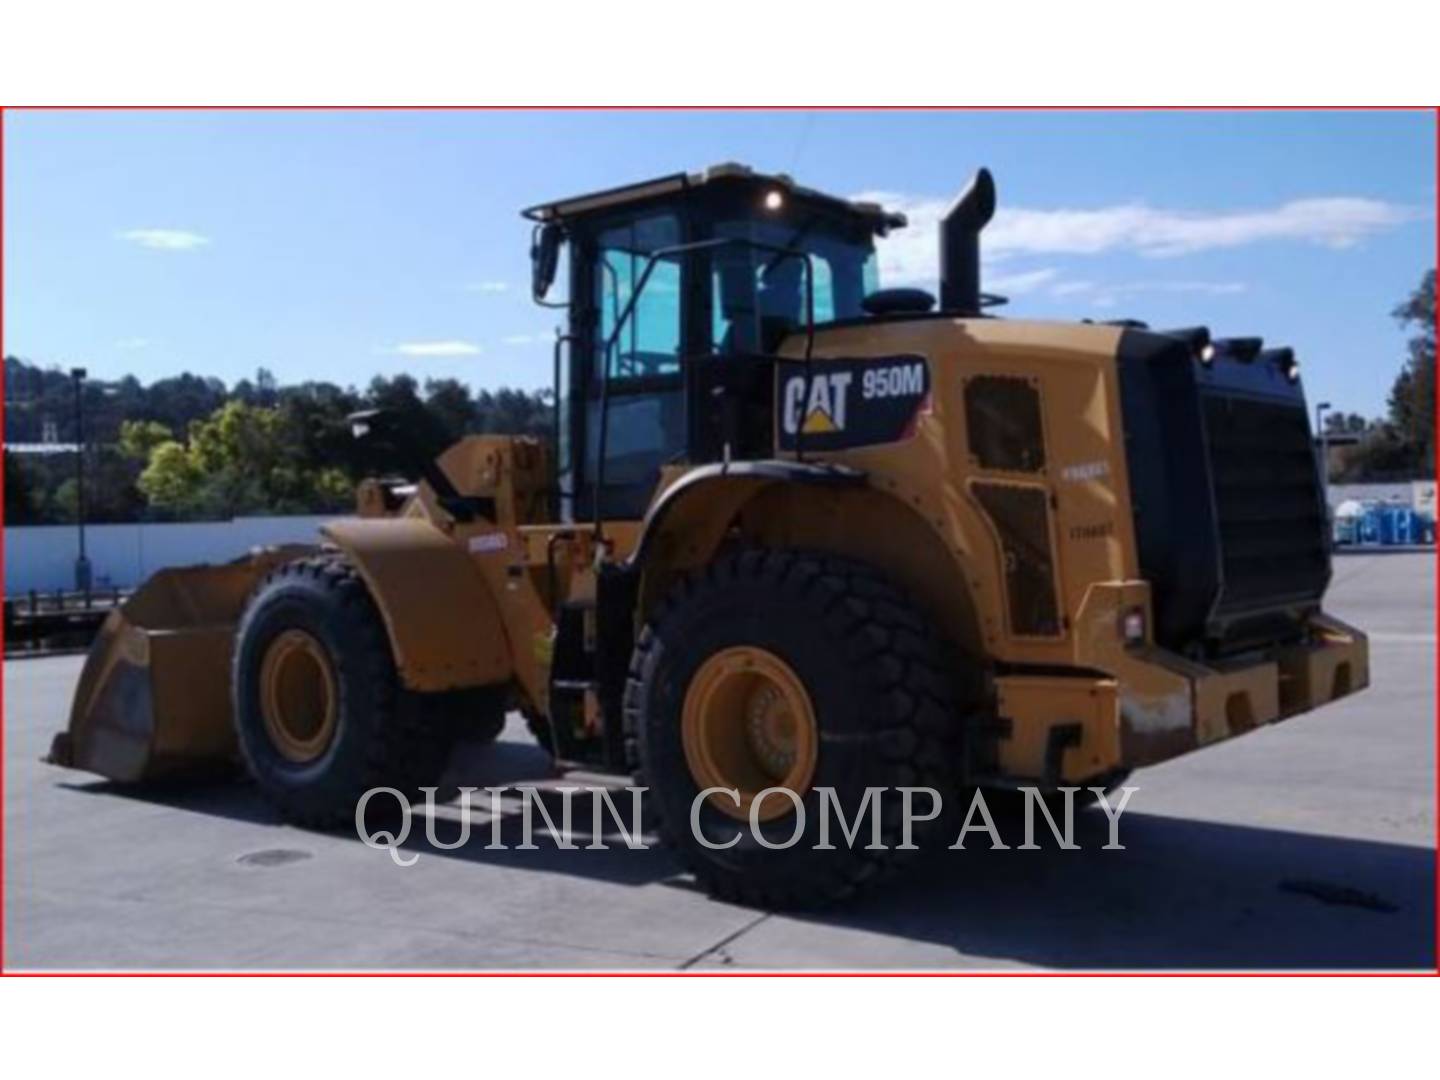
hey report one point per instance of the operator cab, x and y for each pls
(681, 291)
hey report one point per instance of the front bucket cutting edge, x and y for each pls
(154, 697)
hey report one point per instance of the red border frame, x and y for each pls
(4, 110)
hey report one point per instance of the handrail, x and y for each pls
(561, 340)
(665, 253)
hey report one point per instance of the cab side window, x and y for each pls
(649, 340)
(641, 364)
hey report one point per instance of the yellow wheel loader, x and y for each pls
(795, 538)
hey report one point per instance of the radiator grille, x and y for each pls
(1267, 503)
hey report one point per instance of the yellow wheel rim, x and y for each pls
(747, 724)
(298, 700)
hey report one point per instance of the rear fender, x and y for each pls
(803, 505)
(688, 521)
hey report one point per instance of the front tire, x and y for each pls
(795, 670)
(319, 711)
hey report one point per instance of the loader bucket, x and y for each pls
(153, 699)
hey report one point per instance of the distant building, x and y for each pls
(41, 447)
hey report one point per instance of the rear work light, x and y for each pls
(1132, 626)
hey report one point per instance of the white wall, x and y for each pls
(43, 556)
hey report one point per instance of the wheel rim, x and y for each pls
(748, 724)
(298, 700)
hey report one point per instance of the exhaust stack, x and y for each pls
(960, 244)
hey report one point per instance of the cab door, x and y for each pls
(645, 426)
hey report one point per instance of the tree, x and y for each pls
(515, 412)
(169, 482)
(186, 447)
(19, 491)
(1412, 398)
(318, 414)
(1379, 456)
(243, 459)
(139, 437)
(1402, 446)
(1337, 423)
(426, 429)
(450, 401)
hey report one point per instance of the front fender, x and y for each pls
(445, 628)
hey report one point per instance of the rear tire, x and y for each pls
(882, 705)
(319, 711)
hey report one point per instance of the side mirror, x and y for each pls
(544, 258)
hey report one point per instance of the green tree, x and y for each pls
(1402, 445)
(1337, 423)
(1412, 398)
(170, 483)
(65, 502)
(20, 506)
(187, 446)
(139, 437)
(450, 402)
(399, 396)
(243, 459)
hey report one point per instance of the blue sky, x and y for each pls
(340, 245)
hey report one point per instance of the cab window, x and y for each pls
(649, 340)
(757, 295)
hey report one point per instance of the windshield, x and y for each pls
(757, 295)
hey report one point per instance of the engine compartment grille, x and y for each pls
(1268, 509)
(1229, 514)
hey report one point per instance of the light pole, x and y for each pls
(82, 564)
(1323, 440)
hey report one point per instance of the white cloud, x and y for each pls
(1100, 294)
(911, 254)
(1329, 222)
(487, 286)
(165, 239)
(523, 339)
(1206, 288)
(1021, 282)
(437, 348)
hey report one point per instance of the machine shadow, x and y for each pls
(1183, 894)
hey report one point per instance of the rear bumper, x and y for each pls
(1152, 704)
(1222, 702)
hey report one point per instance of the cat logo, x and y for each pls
(822, 410)
(841, 403)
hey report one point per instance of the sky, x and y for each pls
(340, 245)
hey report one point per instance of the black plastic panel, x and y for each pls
(1228, 511)
(1272, 527)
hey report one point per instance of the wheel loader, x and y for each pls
(794, 535)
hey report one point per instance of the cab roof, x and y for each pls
(728, 173)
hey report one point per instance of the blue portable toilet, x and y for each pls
(1369, 530)
(1398, 526)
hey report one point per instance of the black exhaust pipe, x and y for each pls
(960, 245)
